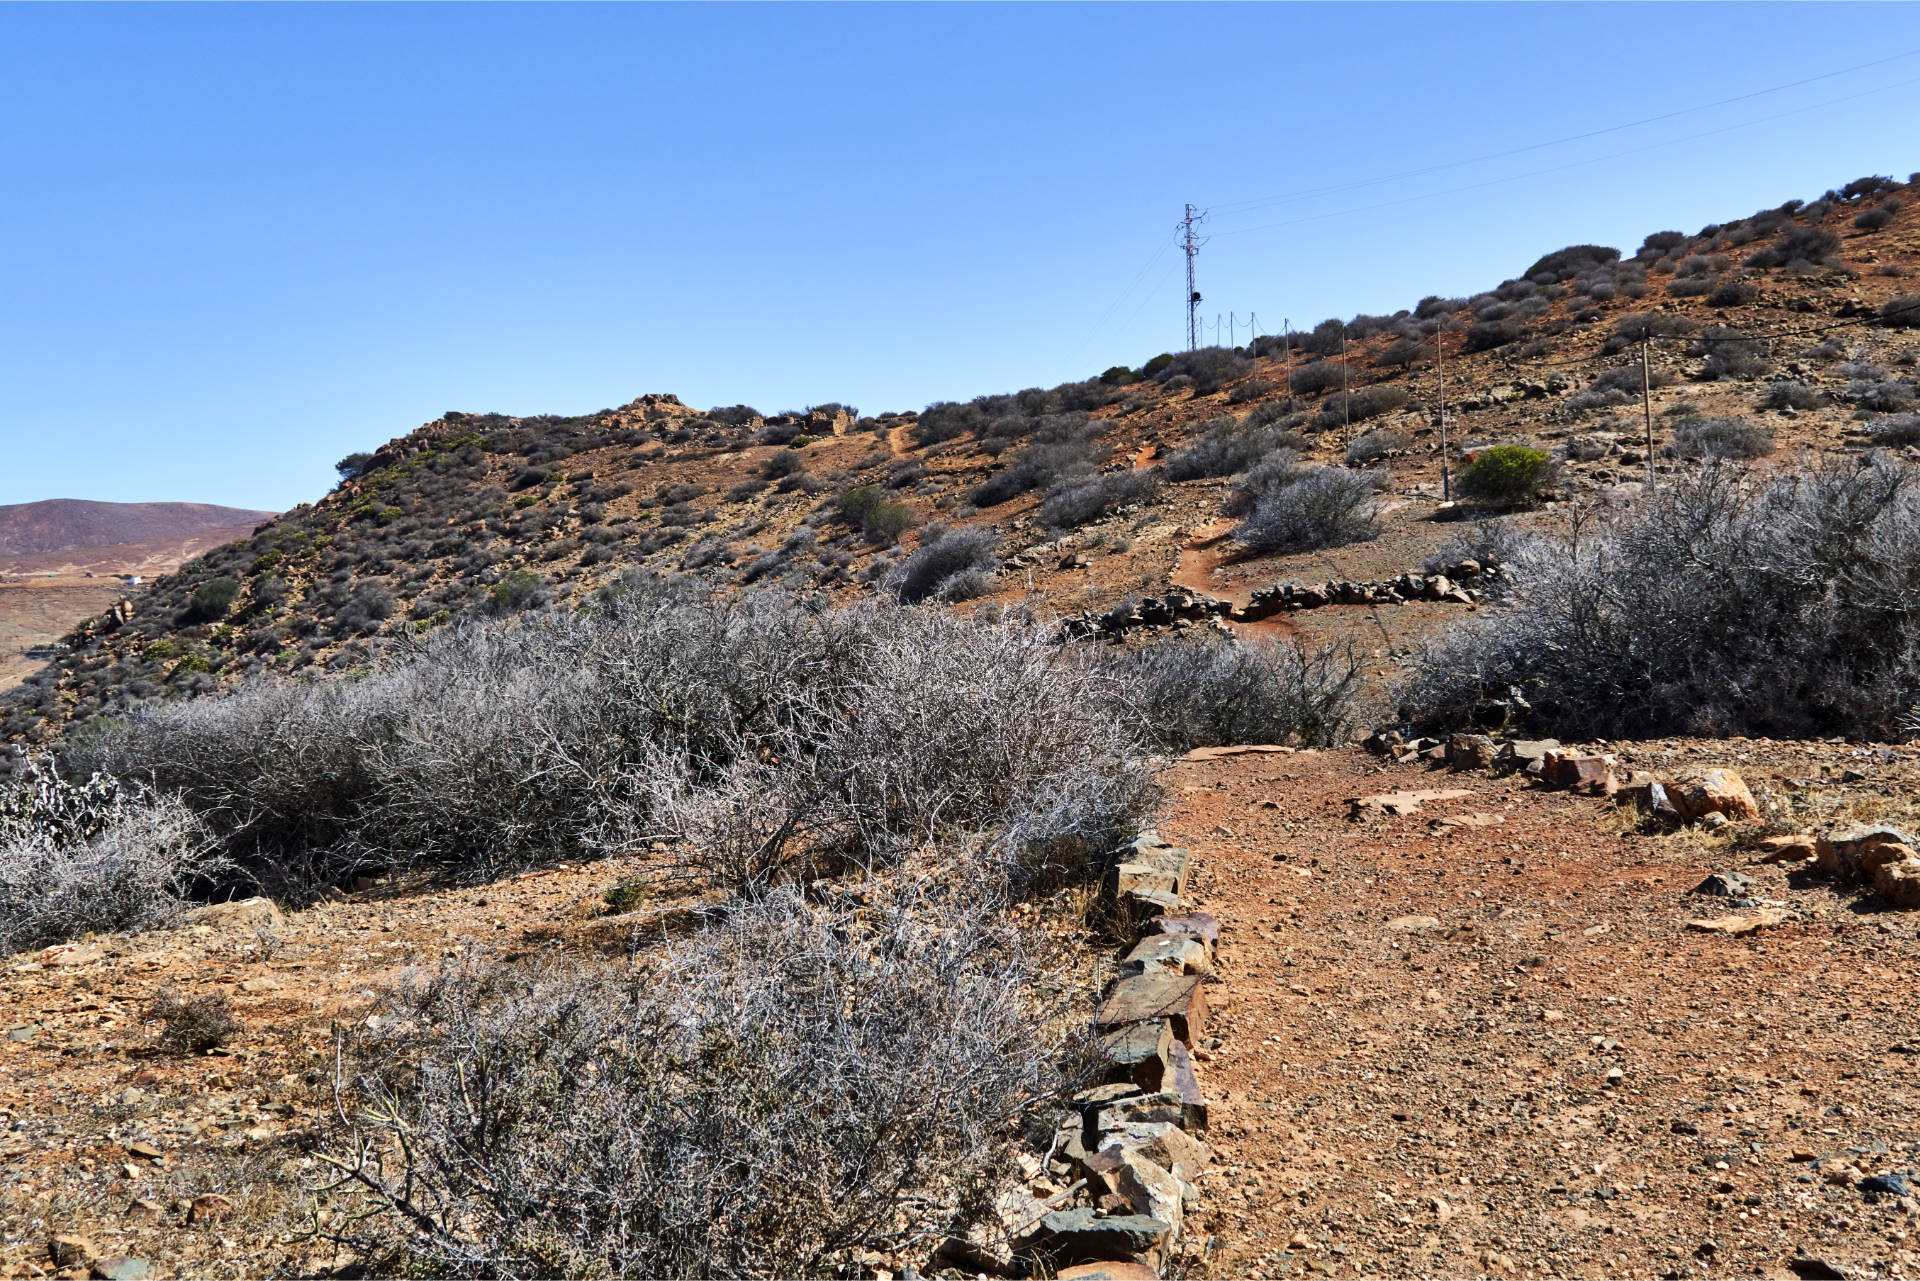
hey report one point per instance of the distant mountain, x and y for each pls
(69, 524)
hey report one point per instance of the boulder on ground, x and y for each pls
(1470, 752)
(1583, 773)
(1791, 849)
(1715, 791)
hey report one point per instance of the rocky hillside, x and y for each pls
(1793, 327)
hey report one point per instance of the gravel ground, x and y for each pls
(1463, 1049)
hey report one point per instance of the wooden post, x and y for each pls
(1646, 402)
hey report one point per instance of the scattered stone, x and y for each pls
(1527, 755)
(1241, 749)
(240, 914)
(71, 1250)
(1808, 1268)
(210, 1208)
(1887, 1185)
(1726, 885)
(1455, 821)
(1583, 773)
(1470, 752)
(1881, 855)
(1749, 923)
(1791, 849)
(122, 1268)
(1715, 791)
(1405, 924)
(1401, 803)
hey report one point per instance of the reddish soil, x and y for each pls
(1431, 1097)
(34, 614)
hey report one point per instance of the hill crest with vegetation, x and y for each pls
(1793, 327)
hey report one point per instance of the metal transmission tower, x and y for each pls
(1192, 246)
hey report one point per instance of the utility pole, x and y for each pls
(1286, 357)
(1646, 403)
(1440, 376)
(1346, 401)
(1192, 246)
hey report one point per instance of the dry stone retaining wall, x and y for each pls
(1135, 1142)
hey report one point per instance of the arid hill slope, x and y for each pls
(1797, 320)
(32, 532)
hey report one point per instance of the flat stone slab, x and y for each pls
(1167, 954)
(1179, 998)
(1745, 923)
(1242, 749)
(1067, 1237)
(1402, 803)
(1199, 924)
(1137, 1053)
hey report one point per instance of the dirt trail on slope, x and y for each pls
(1411, 1076)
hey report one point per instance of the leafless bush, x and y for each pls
(191, 1024)
(125, 870)
(863, 733)
(488, 747)
(1791, 394)
(1225, 448)
(1721, 437)
(784, 1095)
(1729, 603)
(1900, 429)
(1092, 499)
(947, 732)
(1188, 694)
(941, 559)
(1321, 507)
(1371, 447)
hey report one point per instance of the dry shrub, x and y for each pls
(1721, 437)
(1313, 508)
(789, 1090)
(93, 856)
(1729, 603)
(495, 746)
(191, 1024)
(1209, 693)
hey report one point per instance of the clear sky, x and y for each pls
(239, 242)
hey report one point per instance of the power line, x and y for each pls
(1573, 164)
(1262, 202)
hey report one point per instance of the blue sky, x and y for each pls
(243, 241)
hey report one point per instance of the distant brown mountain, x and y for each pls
(69, 524)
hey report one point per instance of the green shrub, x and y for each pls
(159, 651)
(1506, 475)
(212, 599)
(514, 592)
(866, 507)
(264, 562)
